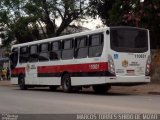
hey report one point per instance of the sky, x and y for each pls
(93, 23)
(89, 23)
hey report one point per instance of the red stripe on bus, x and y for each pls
(89, 67)
(18, 70)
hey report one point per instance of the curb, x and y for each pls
(154, 93)
(5, 83)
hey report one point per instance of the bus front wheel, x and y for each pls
(22, 83)
(66, 83)
(101, 89)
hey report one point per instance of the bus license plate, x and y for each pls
(130, 72)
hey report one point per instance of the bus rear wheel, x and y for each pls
(66, 83)
(101, 89)
(22, 85)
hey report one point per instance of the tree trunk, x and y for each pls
(50, 26)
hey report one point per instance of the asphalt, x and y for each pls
(150, 88)
(43, 101)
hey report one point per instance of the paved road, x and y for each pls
(13, 100)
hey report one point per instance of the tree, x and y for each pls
(130, 13)
(101, 8)
(24, 19)
(150, 18)
(14, 22)
(66, 10)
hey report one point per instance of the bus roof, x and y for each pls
(71, 36)
(61, 37)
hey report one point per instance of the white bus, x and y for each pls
(99, 58)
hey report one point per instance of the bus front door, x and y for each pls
(31, 74)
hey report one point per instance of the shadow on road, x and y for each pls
(86, 92)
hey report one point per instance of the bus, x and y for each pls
(99, 58)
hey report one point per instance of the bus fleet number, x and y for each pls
(140, 56)
(94, 66)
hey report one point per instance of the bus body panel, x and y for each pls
(14, 80)
(130, 64)
(31, 74)
(129, 67)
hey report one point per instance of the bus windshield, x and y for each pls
(129, 40)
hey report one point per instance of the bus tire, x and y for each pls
(101, 89)
(66, 83)
(22, 85)
(53, 88)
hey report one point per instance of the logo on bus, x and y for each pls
(125, 63)
(115, 56)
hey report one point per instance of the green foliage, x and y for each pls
(28, 20)
(100, 8)
(130, 13)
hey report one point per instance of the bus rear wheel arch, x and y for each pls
(66, 83)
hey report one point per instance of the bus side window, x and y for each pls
(81, 47)
(44, 52)
(55, 53)
(95, 45)
(67, 49)
(23, 55)
(14, 58)
(33, 50)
